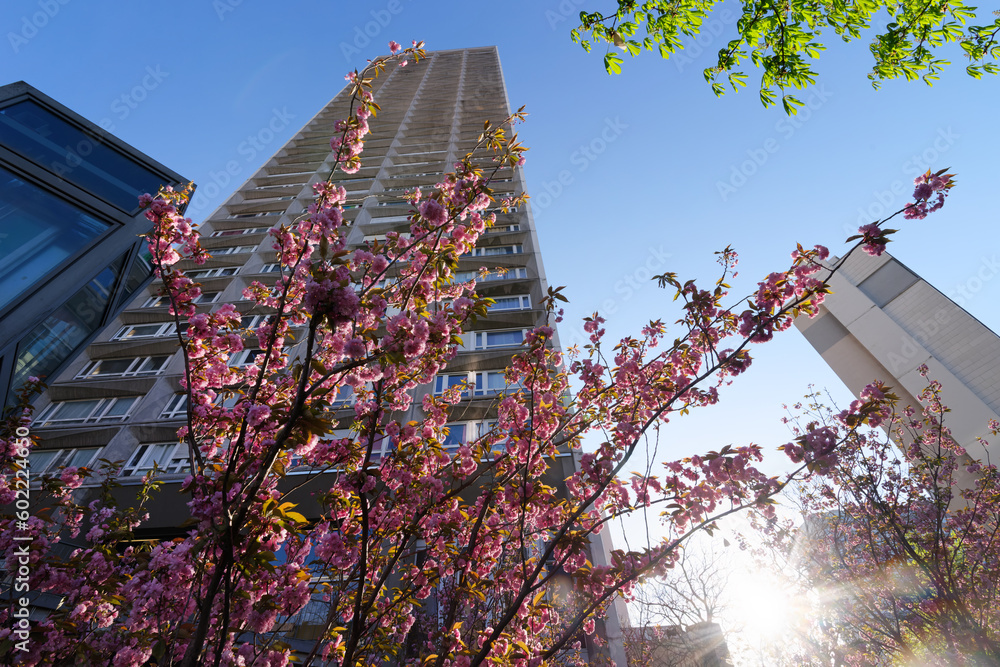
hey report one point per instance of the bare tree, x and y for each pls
(678, 614)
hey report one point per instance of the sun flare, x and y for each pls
(763, 607)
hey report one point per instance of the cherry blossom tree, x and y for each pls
(419, 553)
(900, 544)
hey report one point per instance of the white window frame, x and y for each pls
(217, 272)
(64, 458)
(504, 229)
(345, 398)
(271, 267)
(481, 384)
(175, 407)
(233, 250)
(443, 382)
(98, 413)
(476, 383)
(237, 216)
(389, 218)
(519, 273)
(164, 329)
(138, 366)
(244, 357)
(382, 238)
(481, 251)
(480, 339)
(524, 302)
(173, 459)
(253, 322)
(240, 232)
(163, 300)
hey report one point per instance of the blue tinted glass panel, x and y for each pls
(456, 436)
(498, 338)
(39, 232)
(80, 158)
(49, 344)
(140, 272)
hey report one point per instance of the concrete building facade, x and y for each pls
(122, 399)
(883, 322)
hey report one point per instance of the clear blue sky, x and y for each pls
(189, 83)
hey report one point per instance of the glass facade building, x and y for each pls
(70, 252)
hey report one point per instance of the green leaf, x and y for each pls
(613, 63)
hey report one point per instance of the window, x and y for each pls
(164, 300)
(381, 447)
(233, 250)
(245, 357)
(270, 268)
(493, 382)
(175, 407)
(252, 321)
(481, 383)
(456, 436)
(88, 411)
(40, 232)
(508, 274)
(520, 302)
(41, 461)
(124, 367)
(240, 232)
(391, 218)
(382, 238)
(493, 250)
(466, 433)
(214, 273)
(442, 383)
(345, 397)
(244, 215)
(503, 229)
(147, 331)
(490, 340)
(53, 340)
(168, 457)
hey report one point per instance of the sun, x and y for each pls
(762, 606)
